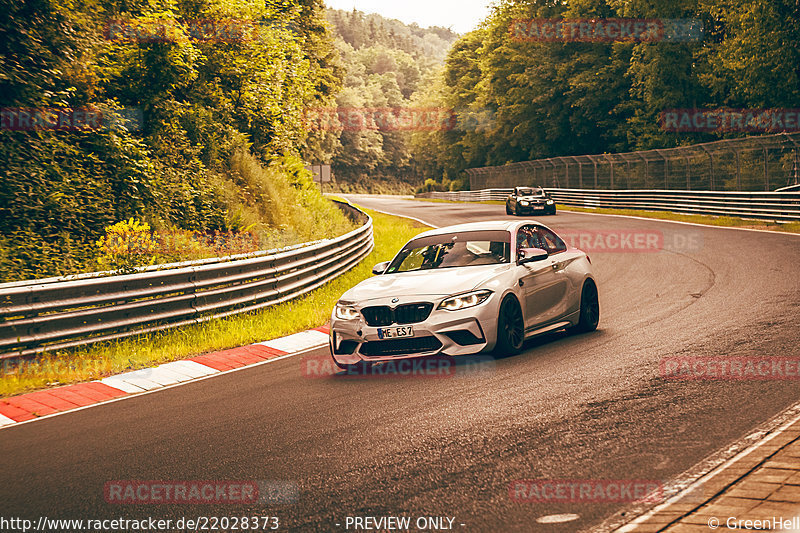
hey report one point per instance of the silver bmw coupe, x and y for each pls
(466, 289)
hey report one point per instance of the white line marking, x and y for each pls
(141, 378)
(161, 374)
(115, 382)
(138, 394)
(298, 341)
(193, 369)
(557, 518)
(5, 421)
(403, 216)
(630, 526)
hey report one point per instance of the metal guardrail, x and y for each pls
(50, 314)
(781, 206)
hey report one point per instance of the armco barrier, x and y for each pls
(52, 313)
(781, 206)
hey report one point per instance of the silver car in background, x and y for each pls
(466, 289)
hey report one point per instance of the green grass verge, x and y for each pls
(709, 220)
(312, 310)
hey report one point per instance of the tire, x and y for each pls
(508, 209)
(516, 210)
(510, 328)
(590, 310)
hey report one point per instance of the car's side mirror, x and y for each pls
(530, 255)
(380, 268)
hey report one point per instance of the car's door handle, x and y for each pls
(555, 266)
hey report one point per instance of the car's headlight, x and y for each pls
(462, 301)
(549, 202)
(345, 312)
(523, 202)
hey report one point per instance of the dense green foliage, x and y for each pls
(222, 123)
(549, 99)
(387, 63)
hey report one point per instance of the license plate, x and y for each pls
(393, 333)
(538, 207)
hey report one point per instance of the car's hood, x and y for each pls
(437, 282)
(532, 198)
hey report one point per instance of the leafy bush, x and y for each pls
(126, 245)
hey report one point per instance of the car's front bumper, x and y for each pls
(532, 209)
(464, 332)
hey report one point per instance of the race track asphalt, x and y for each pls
(585, 407)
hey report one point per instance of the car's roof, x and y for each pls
(486, 225)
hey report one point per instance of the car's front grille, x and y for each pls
(383, 315)
(400, 346)
(412, 313)
(378, 315)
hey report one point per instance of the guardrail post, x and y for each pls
(666, 169)
(796, 165)
(710, 164)
(688, 175)
(738, 174)
(611, 161)
(553, 176)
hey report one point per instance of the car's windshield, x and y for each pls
(469, 248)
(527, 191)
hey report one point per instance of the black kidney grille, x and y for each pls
(379, 315)
(383, 315)
(400, 346)
(412, 313)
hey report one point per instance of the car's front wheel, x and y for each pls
(510, 328)
(590, 310)
(508, 209)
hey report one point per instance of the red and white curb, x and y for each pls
(34, 405)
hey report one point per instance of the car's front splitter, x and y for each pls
(451, 332)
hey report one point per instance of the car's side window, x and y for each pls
(551, 242)
(528, 237)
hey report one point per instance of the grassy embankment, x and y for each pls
(313, 310)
